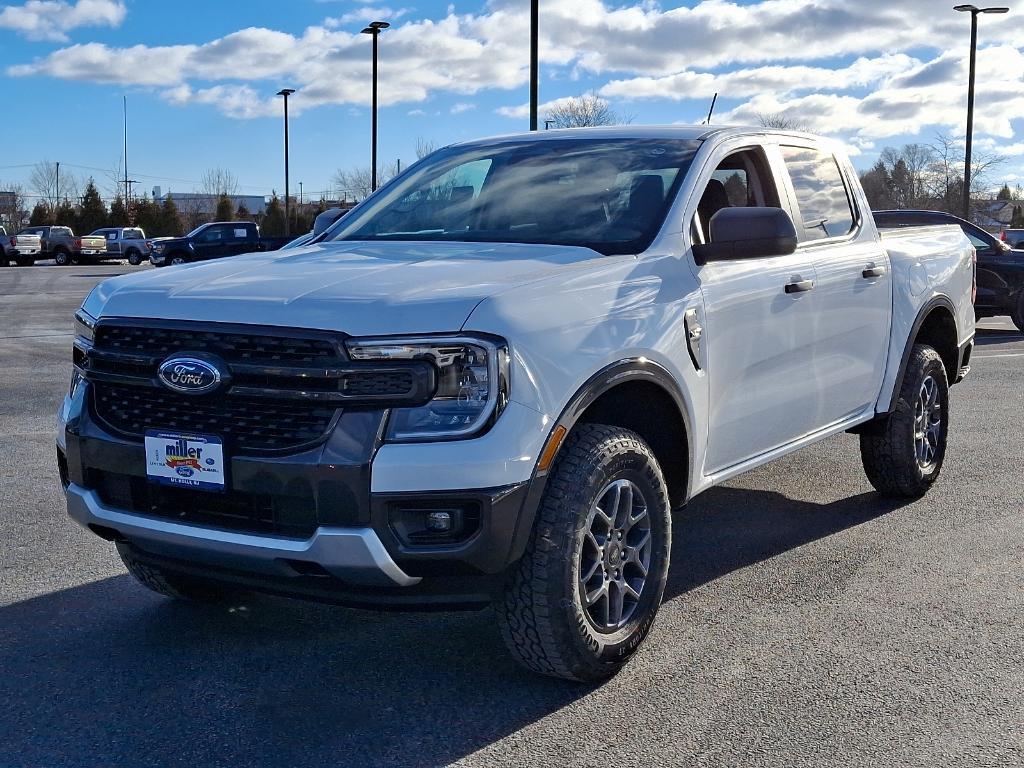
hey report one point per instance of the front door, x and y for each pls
(212, 242)
(759, 360)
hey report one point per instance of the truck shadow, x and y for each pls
(106, 673)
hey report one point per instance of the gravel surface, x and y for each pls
(807, 622)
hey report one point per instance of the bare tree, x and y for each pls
(51, 185)
(219, 181)
(424, 147)
(356, 183)
(781, 121)
(584, 111)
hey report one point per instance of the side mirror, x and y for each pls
(745, 233)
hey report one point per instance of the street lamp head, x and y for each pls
(375, 27)
(996, 9)
(966, 8)
(286, 92)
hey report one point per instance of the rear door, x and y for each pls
(243, 239)
(852, 300)
(212, 242)
(759, 340)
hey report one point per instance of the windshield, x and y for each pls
(197, 230)
(610, 195)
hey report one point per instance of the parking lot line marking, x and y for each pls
(38, 336)
(1008, 354)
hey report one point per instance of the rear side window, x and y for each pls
(824, 203)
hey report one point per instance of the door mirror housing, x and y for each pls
(745, 233)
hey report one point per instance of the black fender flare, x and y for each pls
(922, 315)
(620, 372)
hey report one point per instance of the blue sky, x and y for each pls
(200, 77)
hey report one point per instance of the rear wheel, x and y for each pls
(174, 585)
(1018, 316)
(903, 454)
(585, 594)
(62, 258)
(134, 258)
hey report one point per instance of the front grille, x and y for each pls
(245, 424)
(289, 516)
(231, 346)
(372, 383)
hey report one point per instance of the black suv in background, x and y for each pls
(209, 241)
(1000, 267)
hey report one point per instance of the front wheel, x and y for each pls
(178, 260)
(585, 594)
(1018, 316)
(903, 454)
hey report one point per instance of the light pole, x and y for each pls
(286, 92)
(534, 69)
(374, 29)
(974, 11)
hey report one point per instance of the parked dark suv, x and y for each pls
(210, 241)
(1000, 267)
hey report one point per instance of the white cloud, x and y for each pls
(462, 106)
(52, 19)
(836, 64)
(366, 15)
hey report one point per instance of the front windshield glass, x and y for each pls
(197, 230)
(610, 195)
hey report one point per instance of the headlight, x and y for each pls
(85, 326)
(158, 247)
(472, 384)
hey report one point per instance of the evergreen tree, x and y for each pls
(273, 219)
(40, 215)
(1005, 193)
(149, 216)
(65, 216)
(242, 214)
(118, 213)
(878, 187)
(1018, 217)
(170, 219)
(93, 213)
(225, 209)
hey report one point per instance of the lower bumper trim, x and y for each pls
(355, 555)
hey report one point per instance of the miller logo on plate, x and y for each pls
(190, 375)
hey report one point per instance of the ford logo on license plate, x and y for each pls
(191, 375)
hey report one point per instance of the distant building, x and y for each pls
(205, 204)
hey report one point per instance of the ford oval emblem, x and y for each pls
(190, 375)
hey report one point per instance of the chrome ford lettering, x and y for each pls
(190, 375)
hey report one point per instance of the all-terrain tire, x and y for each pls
(889, 449)
(540, 610)
(1018, 316)
(174, 585)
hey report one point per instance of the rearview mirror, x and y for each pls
(745, 233)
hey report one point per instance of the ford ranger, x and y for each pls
(493, 380)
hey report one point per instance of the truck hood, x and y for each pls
(358, 288)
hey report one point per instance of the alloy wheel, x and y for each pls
(616, 555)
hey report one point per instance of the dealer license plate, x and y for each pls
(185, 460)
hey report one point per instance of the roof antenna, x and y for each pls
(713, 100)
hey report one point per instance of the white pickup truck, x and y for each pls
(493, 381)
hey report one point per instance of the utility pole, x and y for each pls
(534, 69)
(125, 109)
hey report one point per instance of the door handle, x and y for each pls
(873, 270)
(800, 286)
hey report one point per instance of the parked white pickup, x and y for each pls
(494, 379)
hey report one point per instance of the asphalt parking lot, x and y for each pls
(807, 622)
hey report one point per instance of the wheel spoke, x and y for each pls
(596, 594)
(615, 603)
(632, 592)
(624, 511)
(585, 578)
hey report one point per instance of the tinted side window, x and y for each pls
(821, 195)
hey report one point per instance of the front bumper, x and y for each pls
(336, 533)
